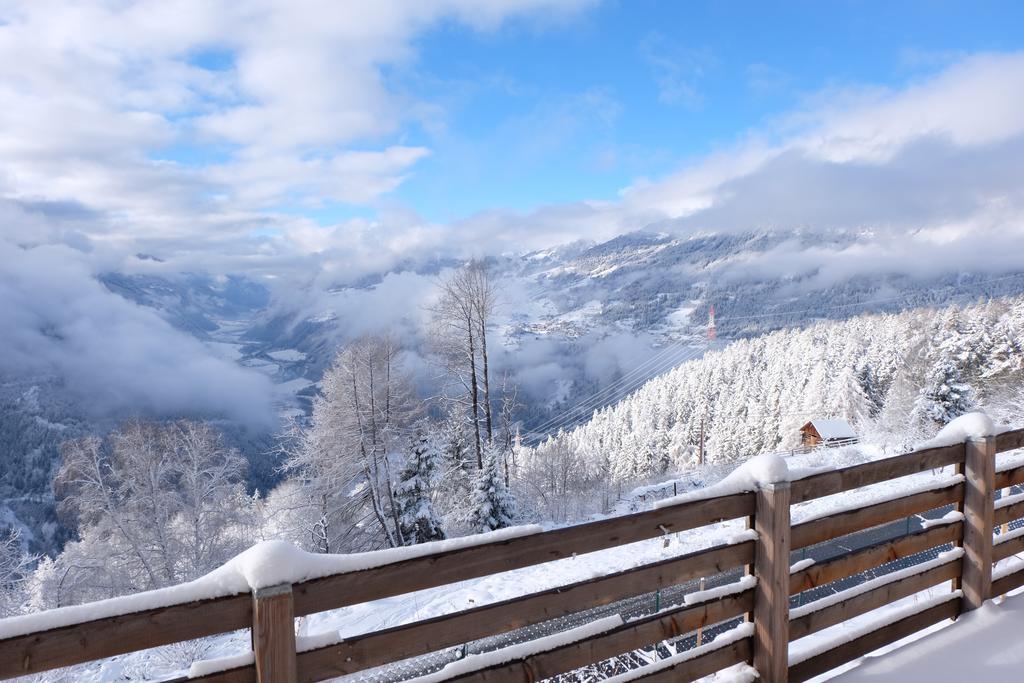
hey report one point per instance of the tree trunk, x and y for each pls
(474, 395)
(487, 378)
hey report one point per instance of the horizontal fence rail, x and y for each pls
(970, 539)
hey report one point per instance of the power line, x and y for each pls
(626, 384)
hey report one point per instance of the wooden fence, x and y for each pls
(270, 613)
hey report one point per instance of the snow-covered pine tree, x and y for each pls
(417, 517)
(945, 396)
(494, 506)
(871, 388)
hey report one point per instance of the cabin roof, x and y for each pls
(831, 429)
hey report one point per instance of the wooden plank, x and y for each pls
(855, 476)
(850, 521)
(856, 605)
(771, 594)
(86, 641)
(871, 556)
(870, 642)
(628, 637)
(979, 502)
(1003, 549)
(1008, 441)
(1005, 584)
(241, 674)
(1013, 476)
(429, 635)
(699, 666)
(443, 568)
(273, 635)
(1008, 513)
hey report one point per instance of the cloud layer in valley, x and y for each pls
(213, 134)
(113, 356)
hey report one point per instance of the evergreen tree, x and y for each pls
(945, 396)
(417, 517)
(493, 505)
(871, 388)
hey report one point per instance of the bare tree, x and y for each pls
(210, 481)
(15, 566)
(483, 299)
(365, 404)
(155, 504)
(461, 318)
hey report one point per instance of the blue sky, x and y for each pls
(261, 136)
(635, 89)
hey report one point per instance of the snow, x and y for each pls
(872, 584)
(742, 537)
(1007, 501)
(206, 667)
(737, 673)
(293, 386)
(983, 645)
(804, 648)
(949, 518)
(1009, 536)
(266, 564)
(507, 654)
(833, 429)
(767, 468)
(271, 563)
(1005, 567)
(304, 643)
(739, 633)
(804, 514)
(801, 565)
(287, 355)
(976, 425)
(745, 583)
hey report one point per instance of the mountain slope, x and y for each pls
(894, 377)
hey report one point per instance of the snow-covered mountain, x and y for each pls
(580, 318)
(580, 326)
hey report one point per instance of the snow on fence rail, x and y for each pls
(268, 587)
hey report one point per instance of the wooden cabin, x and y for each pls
(822, 432)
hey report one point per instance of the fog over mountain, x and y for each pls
(191, 223)
(892, 190)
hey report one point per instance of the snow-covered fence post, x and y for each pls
(979, 514)
(273, 634)
(771, 594)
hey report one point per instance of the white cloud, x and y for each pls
(290, 98)
(113, 356)
(678, 71)
(939, 149)
(297, 110)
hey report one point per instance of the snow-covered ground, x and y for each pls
(983, 645)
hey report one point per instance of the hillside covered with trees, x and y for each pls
(896, 378)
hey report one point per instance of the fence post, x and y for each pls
(273, 634)
(771, 595)
(979, 514)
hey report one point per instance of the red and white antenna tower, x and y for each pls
(712, 333)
